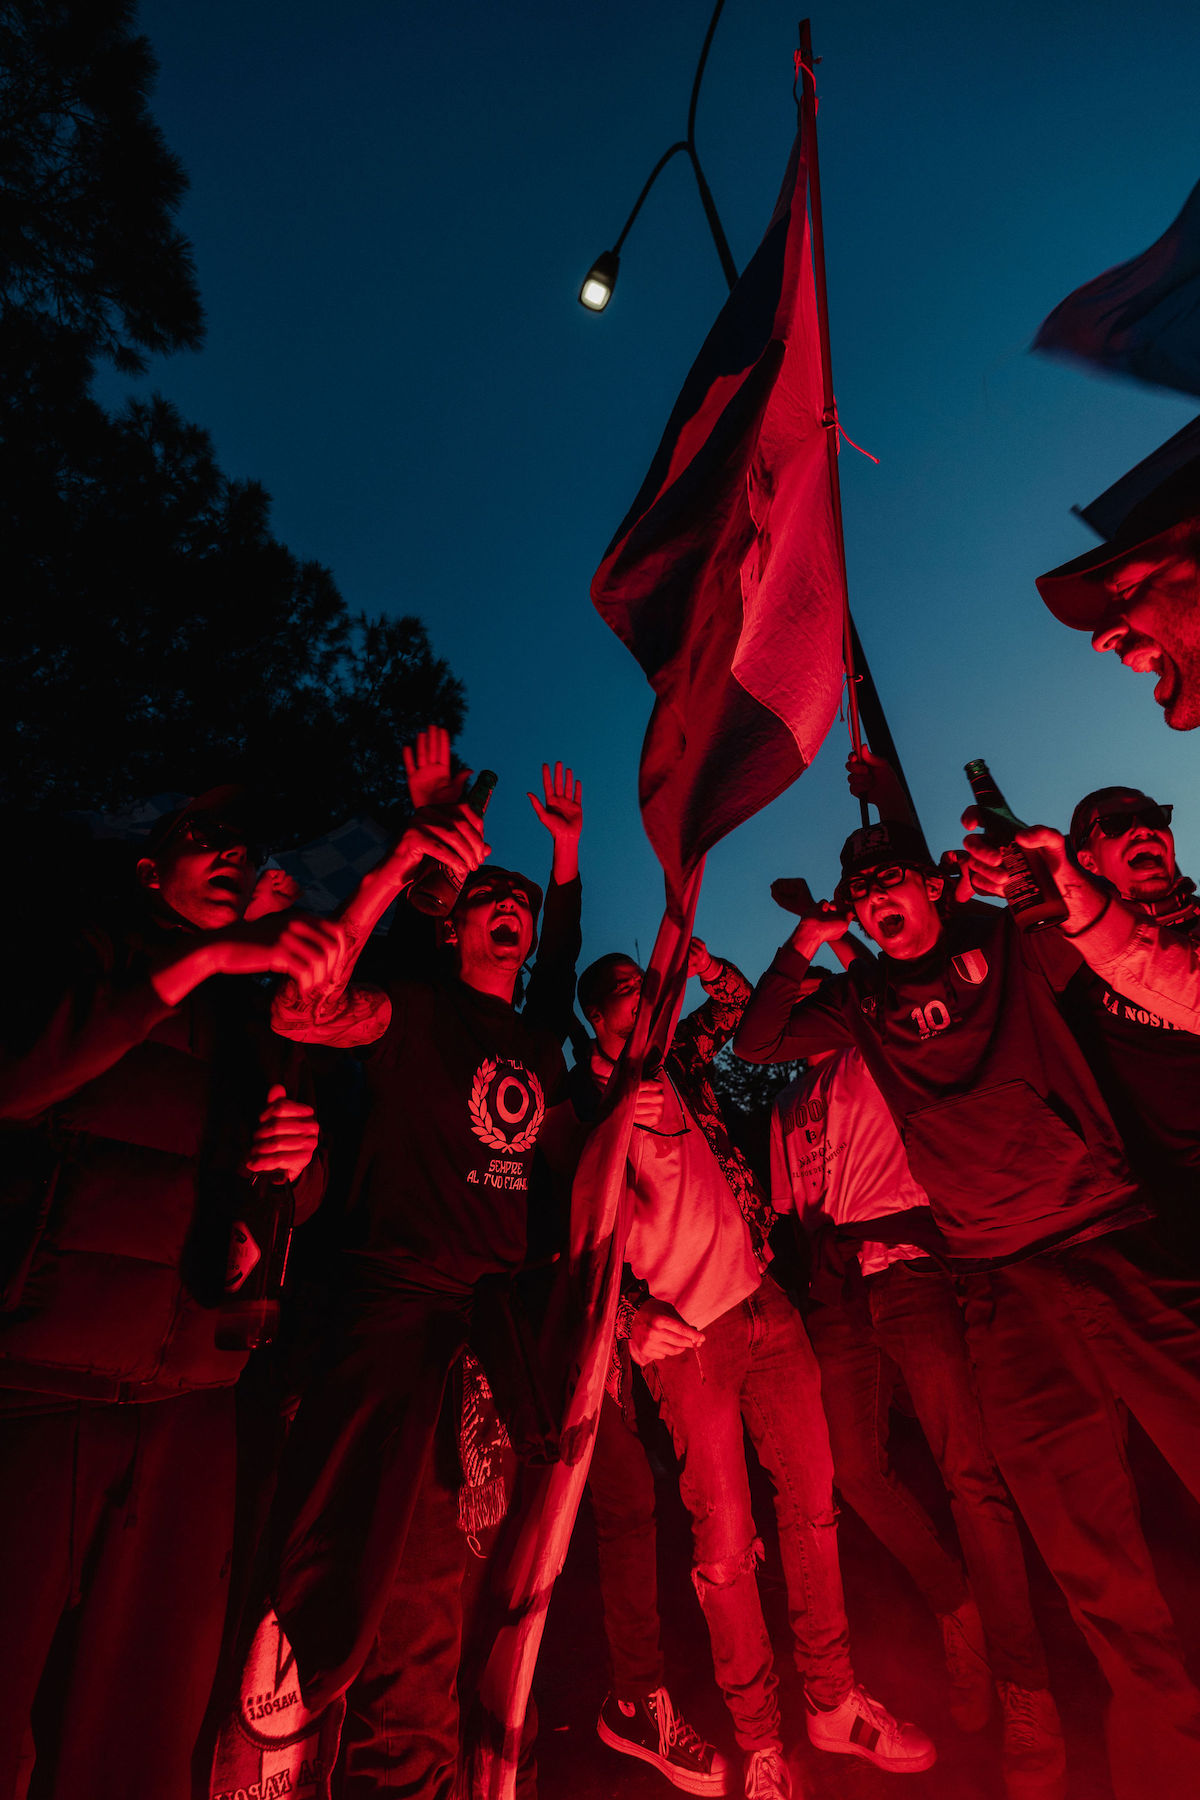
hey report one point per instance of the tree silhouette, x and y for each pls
(157, 635)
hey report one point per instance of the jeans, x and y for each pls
(1057, 1343)
(907, 1323)
(621, 1487)
(756, 1368)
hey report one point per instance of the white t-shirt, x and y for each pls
(687, 1240)
(836, 1154)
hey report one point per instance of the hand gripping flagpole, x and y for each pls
(862, 694)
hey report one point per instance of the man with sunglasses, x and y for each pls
(139, 1085)
(961, 1027)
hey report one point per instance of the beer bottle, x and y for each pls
(1028, 886)
(257, 1262)
(435, 888)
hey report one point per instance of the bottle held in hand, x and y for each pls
(257, 1264)
(435, 888)
(1029, 888)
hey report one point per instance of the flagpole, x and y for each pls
(862, 694)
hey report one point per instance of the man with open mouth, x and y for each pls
(1139, 594)
(961, 1026)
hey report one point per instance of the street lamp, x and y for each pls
(599, 282)
(601, 278)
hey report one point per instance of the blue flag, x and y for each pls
(1141, 318)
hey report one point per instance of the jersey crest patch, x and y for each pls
(506, 1105)
(970, 965)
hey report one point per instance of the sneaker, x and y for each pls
(971, 1690)
(767, 1776)
(862, 1727)
(653, 1731)
(1033, 1758)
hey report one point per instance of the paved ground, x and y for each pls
(896, 1646)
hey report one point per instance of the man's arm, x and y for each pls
(334, 1012)
(699, 1037)
(778, 1025)
(550, 997)
(109, 1003)
(1156, 966)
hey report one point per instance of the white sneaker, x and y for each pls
(1033, 1758)
(971, 1690)
(767, 1776)
(862, 1727)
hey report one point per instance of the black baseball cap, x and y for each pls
(230, 805)
(875, 846)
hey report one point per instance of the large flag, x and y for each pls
(725, 578)
(537, 1535)
(1143, 317)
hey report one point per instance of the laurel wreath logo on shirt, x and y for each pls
(515, 1093)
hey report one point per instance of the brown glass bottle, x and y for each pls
(1029, 888)
(257, 1263)
(435, 888)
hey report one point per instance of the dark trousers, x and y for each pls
(755, 1372)
(352, 1471)
(1057, 1343)
(907, 1323)
(116, 1532)
(621, 1486)
(401, 1731)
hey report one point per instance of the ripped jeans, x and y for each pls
(756, 1367)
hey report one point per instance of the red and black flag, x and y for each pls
(725, 577)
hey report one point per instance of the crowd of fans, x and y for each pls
(989, 1157)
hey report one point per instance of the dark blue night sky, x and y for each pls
(392, 205)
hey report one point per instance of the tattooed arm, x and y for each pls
(335, 1011)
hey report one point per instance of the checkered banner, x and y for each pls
(331, 867)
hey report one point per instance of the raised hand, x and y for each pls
(427, 766)
(873, 778)
(285, 1138)
(700, 960)
(561, 812)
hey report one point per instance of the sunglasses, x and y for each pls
(215, 835)
(890, 876)
(1116, 824)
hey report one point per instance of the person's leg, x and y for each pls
(1141, 1316)
(857, 1382)
(51, 1491)
(698, 1395)
(782, 1407)
(621, 1486)
(918, 1322)
(400, 1735)
(148, 1633)
(781, 1404)
(350, 1473)
(1051, 1421)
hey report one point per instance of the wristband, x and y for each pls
(1076, 934)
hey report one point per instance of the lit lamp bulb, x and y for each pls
(599, 282)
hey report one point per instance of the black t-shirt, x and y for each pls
(1003, 1121)
(458, 1086)
(1149, 1072)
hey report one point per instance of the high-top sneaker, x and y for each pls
(862, 1727)
(650, 1729)
(971, 1690)
(1033, 1759)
